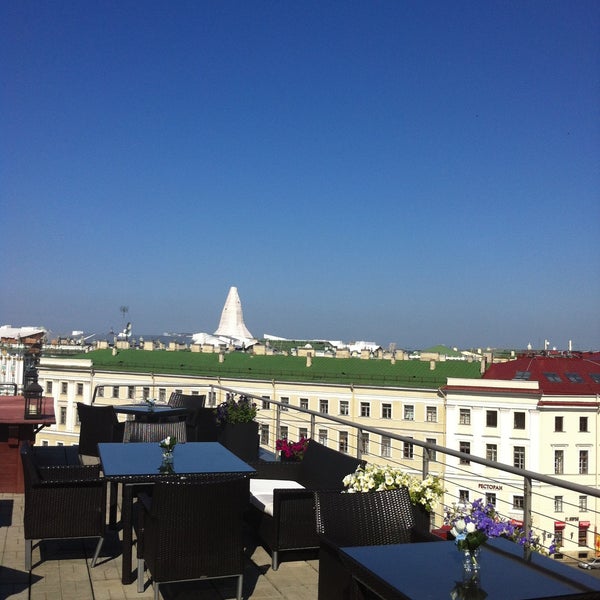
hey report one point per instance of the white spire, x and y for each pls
(232, 319)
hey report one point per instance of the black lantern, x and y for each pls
(33, 393)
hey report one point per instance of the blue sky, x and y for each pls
(408, 172)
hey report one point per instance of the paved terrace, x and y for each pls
(65, 572)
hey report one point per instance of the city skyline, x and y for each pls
(416, 174)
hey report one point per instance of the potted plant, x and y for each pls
(238, 431)
(291, 451)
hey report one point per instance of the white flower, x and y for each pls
(471, 527)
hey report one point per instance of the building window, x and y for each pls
(409, 412)
(519, 457)
(491, 418)
(285, 400)
(463, 496)
(115, 391)
(100, 391)
(265, 402)
(386, 411)
(162, 394)
(558, 424)
(582, 537)
(48, 387)
(324, 406)
(343, 442)
(432, 453)
(582, 503)
(464, 416)
(490, 498)
(491, 452)
(45, 443)
(558, 503)
(365, 409)
(431, 414)
(264, 434)
(79, 389)
(574, 377)
(519, 420)
(553, 377)
(303, 433)
(64, 386)
(131, 392)
(583, 424)
(304, 403)
(583, 462)
(558, 536)
(344, 408)
(466, 448)
(518, 502)
(559, 462)
(386, 446)
(323, 437)
(522, 376)
(408, 450)
(364, 442)
(63, 415)
(283, 432)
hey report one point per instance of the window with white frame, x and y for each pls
(408, 450)
(431, 414)
(79, 389)
(283, 432)
(463, 496)
(491, 418)
(491, 452)
(115, 391)
(519, 457)
(432, 453)
(264, 434)
(365, 409)
(558, 503)
(344, 408)
(559, 462)
(62, 415)
(100, 392)
(265, 402)
(464, 416)
(64, 387)
(162, 394)
(323, 437)
(409, 412)
(131, 392)
(386, 446)
(518, 502)
(583, 504)
(343, 442)
(386, 411)
(302, 433)
(324, 406)
(519, 420)
(583, 424)
(583, 462)
(48, 387)
(285, 400)
(364, 442)
(466, 448)
(490, 498)
(304, 403)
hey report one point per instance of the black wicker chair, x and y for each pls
(194, 404)
(361, 519)
(192, 529)
(98, 424)
(142, 431)
(62, 501)
(292, 524)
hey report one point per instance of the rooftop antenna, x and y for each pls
(124, 310)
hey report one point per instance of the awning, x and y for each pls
(584, 523)
(559, 524)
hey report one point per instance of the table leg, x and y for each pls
(126, 521)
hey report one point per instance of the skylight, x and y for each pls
(595, 377)
(522, 375)
(574, 377)
(553, 377)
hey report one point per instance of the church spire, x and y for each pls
(232, 319)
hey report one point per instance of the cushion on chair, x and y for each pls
(261, 492)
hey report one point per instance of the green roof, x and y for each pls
(442, 351)
(239, 365)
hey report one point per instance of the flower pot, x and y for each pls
(241, 439)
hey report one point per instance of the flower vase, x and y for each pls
(471, 564)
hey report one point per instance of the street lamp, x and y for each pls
(33, 393)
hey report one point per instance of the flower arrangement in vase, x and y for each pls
(168, 446)
(292, 451)
(151, 403)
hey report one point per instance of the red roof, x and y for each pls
(558, 373)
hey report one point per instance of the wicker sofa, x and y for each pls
(282, 509)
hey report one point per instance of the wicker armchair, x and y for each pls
(361, 519)
(194, 403)
(192, 529)
(62, 501)
(98, 424)
(143, 431)
(291, 526)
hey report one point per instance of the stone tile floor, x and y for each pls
(62, 571)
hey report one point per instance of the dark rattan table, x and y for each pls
(420, 571)
(141, 463)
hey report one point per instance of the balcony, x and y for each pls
(537, 508)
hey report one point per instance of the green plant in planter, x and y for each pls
(232, 411)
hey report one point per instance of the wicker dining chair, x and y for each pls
(193, 529)
(142, 431)
(97, 424)
(361, 519)
(65, 501)
(194, 404)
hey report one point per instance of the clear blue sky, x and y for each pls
(394, 171)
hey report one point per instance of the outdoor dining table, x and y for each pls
(145, 412)
(424, 571)
(141, 463)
